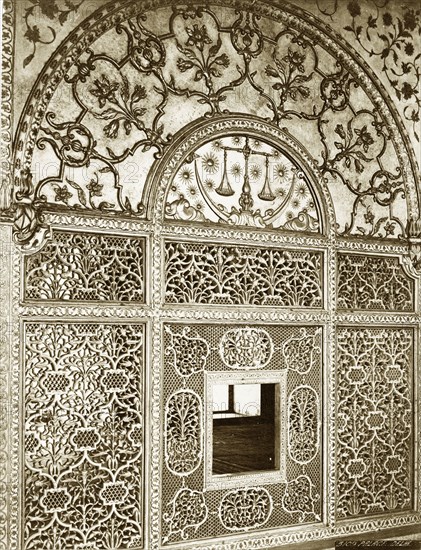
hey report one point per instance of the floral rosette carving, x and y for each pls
(201, 57)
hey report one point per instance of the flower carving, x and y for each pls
(123, 109)
(289, 72)
(198, 37)
(353, 140)
(104, 90)
(365, 139)
(62, 194)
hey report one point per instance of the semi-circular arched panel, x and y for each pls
(126, 85)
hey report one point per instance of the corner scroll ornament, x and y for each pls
(300, 352)
(189, 511)
(414, 241)
(299, 498)
(28, 219)
(189, 353)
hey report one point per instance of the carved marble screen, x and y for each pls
(198, 196)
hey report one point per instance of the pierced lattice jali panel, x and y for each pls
(373, 283)
(83, 436)
(87, 267)
(239, 275)
(374, 424)
(191, 353)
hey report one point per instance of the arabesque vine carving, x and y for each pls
(374, 430)
(183, 432)
(83, 435)
(237, 275)
(387, 32)
(48, 12)
(86, 267)
(243, 509)
(194, 60)
(368, 282)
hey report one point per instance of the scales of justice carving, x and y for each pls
(242, 180)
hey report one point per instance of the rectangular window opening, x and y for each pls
(245, 425)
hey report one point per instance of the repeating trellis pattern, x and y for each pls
(374, 427)
(83, 436)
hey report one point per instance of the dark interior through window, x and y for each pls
(245, 428)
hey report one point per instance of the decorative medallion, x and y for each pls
(183, 432)
(244, 509)
(246, 348)
(303, 424)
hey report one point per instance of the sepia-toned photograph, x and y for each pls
(210, 275)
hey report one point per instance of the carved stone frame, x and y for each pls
(278, 378)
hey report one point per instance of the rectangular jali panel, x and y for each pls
(373, 283)
(87, 267)
(240, 275)
(83, 436)
(198, 357)
(374, 421)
